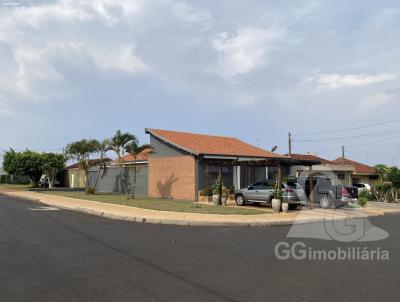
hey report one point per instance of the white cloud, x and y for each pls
(189, 14)
(246, 49)
(39, 43)
(4, 107)
(335, 81)
(377, 100)
(122, 59)
(33, 65)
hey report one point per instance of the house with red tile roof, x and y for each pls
(181, 163)
(337, 172)
(345, 171)
(362, 172)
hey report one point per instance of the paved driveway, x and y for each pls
(56, 255)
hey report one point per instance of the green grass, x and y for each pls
(163, 204)
(5, 187)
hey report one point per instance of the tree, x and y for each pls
(393, 176)
(104, 146)
(81, 151)
(52, 164)
(26, 163)
(10, 162)
(118, 144)
(133, 148)
(389, 189)
(382, 170)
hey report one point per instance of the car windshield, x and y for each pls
(292, 184)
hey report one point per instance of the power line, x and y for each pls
(381, 133)
(348, 129)
(374, 142)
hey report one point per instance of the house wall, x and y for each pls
(337, 175)
(109, 180)
(205, 179)
(249, 175)
(362, 178)
(72, 179)
(172, 177)
(162, 149)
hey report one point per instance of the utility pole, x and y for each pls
(343, 158)
(290, 144)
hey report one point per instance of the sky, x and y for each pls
(326, 71)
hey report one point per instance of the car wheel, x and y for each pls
(325, 202)
(240, 200)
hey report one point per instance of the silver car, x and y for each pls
(263, 192)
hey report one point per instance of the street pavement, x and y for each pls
(48, 254)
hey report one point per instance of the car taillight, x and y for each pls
(345, 192)
(289, 190)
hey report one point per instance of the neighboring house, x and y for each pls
(338, 172)
(72, 176)
(108, 180)
(362, 173)
(182, 163)
(345, 171)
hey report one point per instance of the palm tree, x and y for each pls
(133, 148)
(104, 146)
(81, 151)
(118, 144)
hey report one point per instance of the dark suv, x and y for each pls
(324, 192)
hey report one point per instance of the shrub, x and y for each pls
(225, 191)
(216, 184)
(206, 192)
(362, 201)
(366, 194)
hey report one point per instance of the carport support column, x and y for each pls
(279, 183)
(220, 186)
(310, 197)
(236, 177)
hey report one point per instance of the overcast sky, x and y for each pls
(250, 69)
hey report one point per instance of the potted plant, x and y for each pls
(225, 195)
(285, 207)
(276, 201)
(216, 190)
(205, 195)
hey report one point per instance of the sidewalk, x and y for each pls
(133, 214)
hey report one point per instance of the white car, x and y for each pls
(362, 186)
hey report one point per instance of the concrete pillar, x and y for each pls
(311, 187)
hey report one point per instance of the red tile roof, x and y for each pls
(311, 157)
(210, 144)
(142, 156)
(92, 162)
(359, 167)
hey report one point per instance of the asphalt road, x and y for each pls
(57, 255)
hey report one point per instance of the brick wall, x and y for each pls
(172, 177)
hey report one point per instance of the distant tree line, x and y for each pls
(33, 165)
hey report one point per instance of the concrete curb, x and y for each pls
(183, 222)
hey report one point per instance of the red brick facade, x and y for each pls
(172, 177)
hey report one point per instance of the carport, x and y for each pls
(279, 163)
